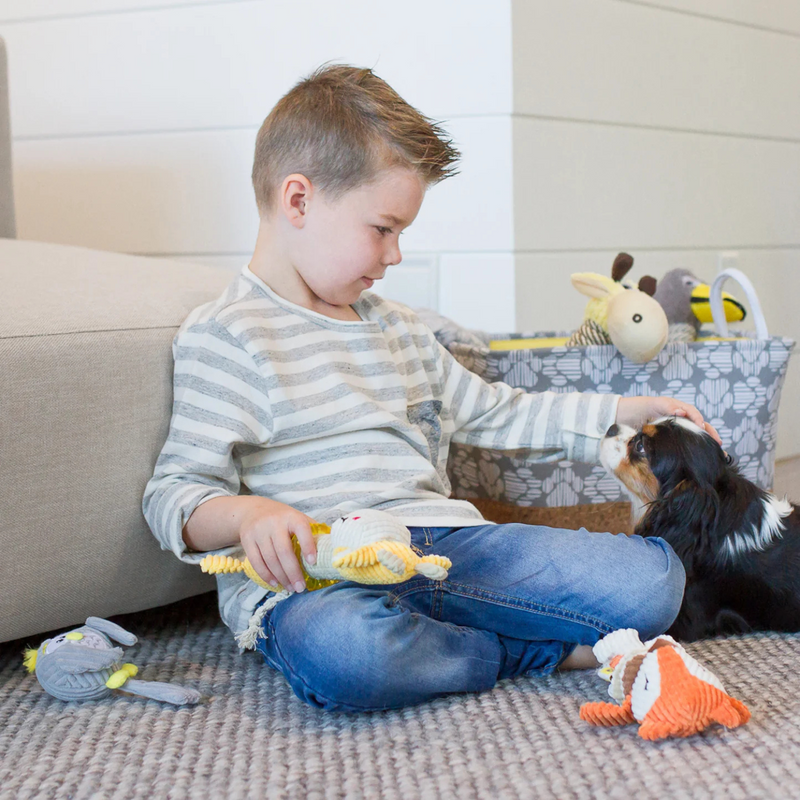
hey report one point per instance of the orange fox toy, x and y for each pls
(660, 686)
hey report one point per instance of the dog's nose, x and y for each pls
(613, 430)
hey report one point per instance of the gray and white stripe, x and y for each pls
(332, 416)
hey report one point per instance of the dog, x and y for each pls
(739, 545)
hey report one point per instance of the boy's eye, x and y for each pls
(382, 230)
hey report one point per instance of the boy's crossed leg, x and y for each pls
(518, 599)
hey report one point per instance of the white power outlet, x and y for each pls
(727, 259)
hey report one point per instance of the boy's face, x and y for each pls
(347, 244)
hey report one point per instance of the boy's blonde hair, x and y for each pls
(340, 127)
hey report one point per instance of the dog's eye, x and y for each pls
(639, 447)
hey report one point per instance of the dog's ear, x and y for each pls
(686, 516)
(705, 463)
(683, 456)
(695, 507)
(697, 500)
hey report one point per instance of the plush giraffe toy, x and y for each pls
(621, 314)
(369, 547)
(660, 686)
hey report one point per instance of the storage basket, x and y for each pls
(735, 383)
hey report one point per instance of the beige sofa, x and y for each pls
(85, 398)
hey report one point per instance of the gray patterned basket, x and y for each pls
(736, 384)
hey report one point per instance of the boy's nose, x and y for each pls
(613, 430)
(393, 257)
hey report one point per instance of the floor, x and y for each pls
(787, 478)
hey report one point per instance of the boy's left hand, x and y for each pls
(635, 411)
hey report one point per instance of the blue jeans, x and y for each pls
(518, 599)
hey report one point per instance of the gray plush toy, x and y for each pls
(685, 300)
(83, 664)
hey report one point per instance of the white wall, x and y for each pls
(134, 124)
(667, 128)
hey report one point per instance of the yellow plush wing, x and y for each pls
(364, 566)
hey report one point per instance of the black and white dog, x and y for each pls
(740, 545)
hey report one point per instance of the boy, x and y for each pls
(322, 398)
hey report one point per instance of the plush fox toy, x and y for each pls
(660, 686)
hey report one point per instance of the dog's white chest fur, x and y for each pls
(760, 537)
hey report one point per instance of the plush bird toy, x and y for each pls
(620, 314)
(660, 686)
(685, 300)
(369, 547)
(84, 665)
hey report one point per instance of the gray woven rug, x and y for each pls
(256, 740)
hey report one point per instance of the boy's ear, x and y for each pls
(294, 197)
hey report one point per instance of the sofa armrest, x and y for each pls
(86, 388)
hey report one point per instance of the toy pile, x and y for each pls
(655, 683)
(640, 320)
(637, 319)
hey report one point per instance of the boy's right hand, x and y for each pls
(266, 533)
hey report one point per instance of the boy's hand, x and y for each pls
(266, 536)
(635, 411)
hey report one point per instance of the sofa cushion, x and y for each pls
(7, 220)
(86, 393)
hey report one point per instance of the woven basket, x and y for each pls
(735, 383)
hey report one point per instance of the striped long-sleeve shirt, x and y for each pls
(331, 416)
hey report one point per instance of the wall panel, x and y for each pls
(225, 65)
(190, 192)
(477, 289)
(27, 10)
(778, 15)
(634, 64)
(580, 186)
